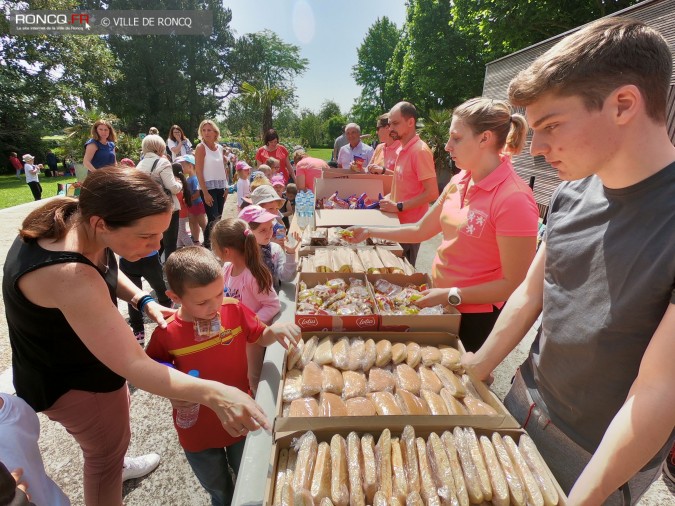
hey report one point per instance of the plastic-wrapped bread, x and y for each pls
(380, 499)
(468, 385)
(280, 478)
(339, 481)
(430, 356)
(320, 486)
(286, 410)
(294, 354)
(307, 448)
(516, 489)
(357, 350)
(324, 352)
(531, 488)
(427, 487)
(360, 406)
(477, 407)
(441, 471)
(308, 351)
(414, 354)
(356, 495)
(331, 405)
(452, 403)
(435, 403)
(407, 379)
(539, 470)
(451, 358)
(429, 380)
(394, 501)
(290, 467)
(468, 467)
(411, 404)
(414, 499)
(449, 380)
(500, 489)
(355, 384)
(312, 379)
(383, 457)
(456, 468)
(385, 403)
(370, 355)
(331, 380)
(326, 502)
(303, 498)
(383, 353)
(479, 461)
(287, 495)
(292, 385)
(369, 467)
(409, 448)
(399, 353)
(305, 407)
(380, 380)
(341, 354)
(399, 481)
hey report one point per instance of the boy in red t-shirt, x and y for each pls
(209, 334)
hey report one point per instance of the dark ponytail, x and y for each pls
(178, 172)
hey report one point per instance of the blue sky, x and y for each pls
(328, 33)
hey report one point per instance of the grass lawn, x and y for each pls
(15, 191)
(322, 153)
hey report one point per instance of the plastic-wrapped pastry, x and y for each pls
(449, 380)
(399, 352)
(399, 480)
(380, 499)
(357, 350)
(312, 378)
(360, 406)
(435, 403)
(383, 353)
(369, 469)
(294, 354)
(516, 487)
(468, 385)
(307, 448)
(452, 403)
(534, 496)
(430, 356)
(383, 457)
(477, 407)
(308, 351)
(331, 405)
(479, 462)
(326, 502)
(409, 448)
(356, 495)
(331, 380)
(380, 380)
(429, 380)
(303, 498)
(411, 404)
(440, 466)
(407, 379)
(292, 385)
(324, 352)
(414, 355)
(320, 486)
(539, 470)
(427, 487)
(471, 478)
(500, 489)
(369, 356)
(305, 407)
(339, 482)
(385, 403)
(451, 358)
(280, 479)
(456, 468)
(355, 384)
(341, 354)
(414, 499)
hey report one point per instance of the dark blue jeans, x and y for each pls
(216, 469)
(214, 212)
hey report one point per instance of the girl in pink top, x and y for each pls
(487, 215)
(246, 279)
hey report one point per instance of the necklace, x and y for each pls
(105, 267)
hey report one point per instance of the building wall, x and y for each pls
(659, 14)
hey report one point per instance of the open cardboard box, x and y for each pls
(310, 323)
(448, 322)
(387, 179)
(284, 441)
(503, 420)
(348, 217)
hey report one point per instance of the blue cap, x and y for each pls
(186, 158)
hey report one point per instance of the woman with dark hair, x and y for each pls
(177, 143)
(71, 356)
(99, 151)
(273, 149)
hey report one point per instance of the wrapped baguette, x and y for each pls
(331, 405)
(383, 456)
(449, 380)
(479, 462)
(516, 490)
(369, 468)
(391, 262)
(323, 261)
(303, 498)
(380, 499)
(294, 354)
(305, 407)
(500, 489)
(354, 459)
(441, 471)
(409, 448)
(451, 358)
(539, 470)
(414, 356)
(468, 385)
(339, 482)
(407, 379)
(360, 406)
(370, 355)
(399, 352)
(452, 403)
(380, 380)
(427, 487)
(312, 379)
(331, 380)
(429, 380)
(455, 468)
(308, 351)
(477, 407)
(320, 487)
(371, 261)
(355, 384)
(531, 488)
(414, 499)
(287, 498)
(435, 403)
(307, 448)
(290, 467)
(280, 479)
(385, 403)
(473, 485)
(399, 480)
(430, 356)
(326, 502)
(383, 353)
(341, 354)
(411, 404)
(324, 352)
(292, 385)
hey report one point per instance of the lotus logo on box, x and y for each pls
(365, 322)
(306, 322)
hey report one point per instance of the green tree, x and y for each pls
(329, 109)
(287, 122)
(434, 131)
(266, 97)
(311, 132)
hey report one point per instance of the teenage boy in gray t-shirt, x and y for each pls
(596, 391)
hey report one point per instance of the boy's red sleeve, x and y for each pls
(156, 349)
(251, 324)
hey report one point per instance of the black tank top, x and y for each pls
(48, 358)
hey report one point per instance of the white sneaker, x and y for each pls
(135, 467)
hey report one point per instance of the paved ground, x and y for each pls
(152, 431)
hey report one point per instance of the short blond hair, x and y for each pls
(212, 124)
(259, 180)
(153, 144)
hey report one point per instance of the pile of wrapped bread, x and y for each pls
(454, 468)
(335, 297)
(359, 377)
(342, 259)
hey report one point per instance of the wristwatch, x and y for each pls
(454, 298)
(399, 206)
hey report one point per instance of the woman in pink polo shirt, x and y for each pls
(487, 215)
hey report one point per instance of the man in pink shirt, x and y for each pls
(414, 184)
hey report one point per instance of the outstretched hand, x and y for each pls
(433, 297)
(238, 412)
(157, 313)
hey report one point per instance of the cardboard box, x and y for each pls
(348, 217)
(310, 323)
(387, 180)
(448, 322)
(503, 420)
(284, 441)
